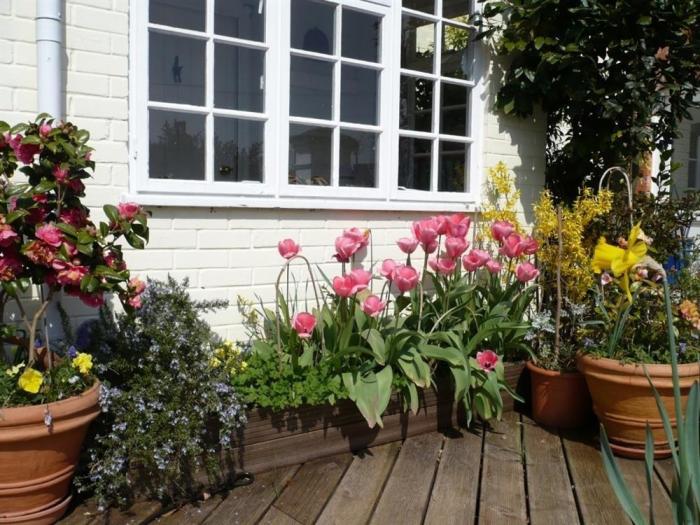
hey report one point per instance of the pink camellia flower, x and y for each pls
(458, 225)
(407, 245)
(128, 210)
(135, 301)
(69, 274)
(526, 272)
(361, 279)
(405, 277)
(426, 231)
(24, 152)
(443, 265)
(44, 130)
(529, 245)
(7, 235)
(357, 235)
(77, 186)
(493, 266)
(442, 226)
(455, 246)
(605, 278)
(373, 306)
(39, 253)
(62, 175)
(76, 217)
(304, 324)
(512, 246)
(10, 267)
(94, 300)
(501, 229)
(50, 235)
(288, 248)
(136, 286)
(475, 259)
(70, 248)
(487, 359)
(113, 261)
(345, 248)
(342, 286)
(387, 269)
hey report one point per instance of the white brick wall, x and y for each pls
(225, 251)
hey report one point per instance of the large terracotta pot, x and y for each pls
(559, 399)
(37, 462)
(624, 401)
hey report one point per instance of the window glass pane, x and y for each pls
(414, 163)
(238, 78)
(311, 89)
(360, 35)
(417, 44)
(453, 163)
(454, 102)
(310, 155)
(238, 149)
(457, 9)
(312, 26)
(416, 104)
(176, 145)
(456, 60)
(427, 6)
(188, 14)
(176, 69)
(358, 158)
(240, 19)
(358, 95)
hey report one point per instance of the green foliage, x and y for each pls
(600, 70)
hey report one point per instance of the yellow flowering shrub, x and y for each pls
(500, 202)
(229, 356)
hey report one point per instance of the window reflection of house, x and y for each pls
(309, 155)
(178, 151)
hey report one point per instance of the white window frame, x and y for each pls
(275, 191)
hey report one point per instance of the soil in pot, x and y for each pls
(559, 399)
(624, 401)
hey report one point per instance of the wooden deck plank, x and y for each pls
(192, 514)
(596, 498)
(275, 516)
(308, 491)
(407, 491)
(140, 512)
(358, 491)
(549, 490)
(665, 470)
(634, 473)
(246, 505)
(455, 491)
(503, 476)
(84, 514)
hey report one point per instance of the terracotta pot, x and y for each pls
(516, 379)
(559, 399)
(37, 462)
(624, 401)
(47, 515)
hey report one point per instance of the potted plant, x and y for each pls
(559, 395)
(47, 241)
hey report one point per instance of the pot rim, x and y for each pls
(550, 373)
(686, 370)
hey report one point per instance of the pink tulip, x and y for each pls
(512, 246)
(7, 235)
(361, 279)
(458, 225)
(357, 235)
(405, 278)
(443, 265)
(426, 231)
(288, 248)
(431, 247)
(128, 210)
(304, 324)
(343, 286)
(526, 272)
(493, 266)
(475, 259)
(345, 248)
(50, 235)
(373, 306)
(529, 245)
(442, 225)
(488, 359)
(455, 246)
(407, 245)
(387, 269)
(501, 229)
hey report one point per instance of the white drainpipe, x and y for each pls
(49, 53)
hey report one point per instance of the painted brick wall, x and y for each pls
(225, 252)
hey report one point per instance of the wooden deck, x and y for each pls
(515, 472)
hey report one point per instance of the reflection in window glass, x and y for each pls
(358, 95)
(416, 103)
(454, 102)
(176, 145)
(310, 155)
(456, 62)
(238, 150)
(427, 6)
(240, 19)
(311, 88)
(452, 166)
(414, 163)
(417, 44)
(360, 35)
(312, 26)
(238, 78)
(358, 158)
(186, 14)
(457, 9)
(176, 69)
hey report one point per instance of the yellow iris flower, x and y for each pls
(30, 381)
(618, 260)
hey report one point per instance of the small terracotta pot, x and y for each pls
(624, 401)
(559, 399)
(37, 462)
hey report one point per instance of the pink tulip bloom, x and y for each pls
(488, 359)
(442, 224)
(455, 246)
(7, 235)
(357, 235)
(443, 265)
(128, 210)
(304, 324)
(288, 248)
(529, 245)
(373, 306)
(501, 229)
(426, 231)
(345, 248)
(61, 174)
(512, 246)
(405, 278)
(361, 279)
(475, 259)
(526, 272)
(493, 266)
(50, 235)
(343, 286)
(387, 269)
(407, 245)
(431, 247)
(458, 225)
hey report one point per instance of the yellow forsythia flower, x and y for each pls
(83, 362)
(501, 200)
(30, 381)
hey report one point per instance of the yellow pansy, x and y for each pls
(618, 260)
(30, 381)
(83, 362)
(14, 370)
